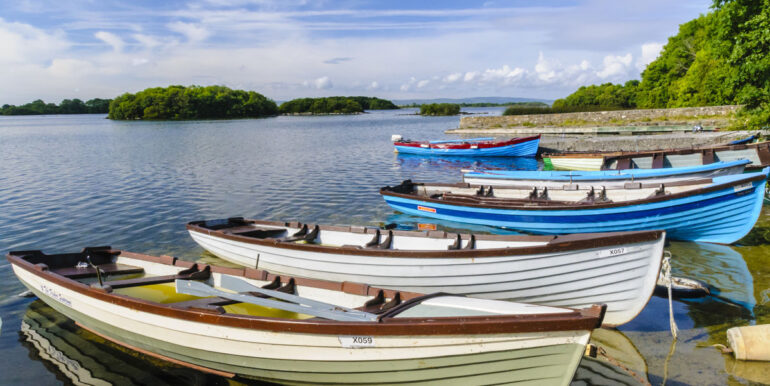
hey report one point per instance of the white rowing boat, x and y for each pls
(243, 322)
(617, 269)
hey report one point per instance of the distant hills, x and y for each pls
(498, 100)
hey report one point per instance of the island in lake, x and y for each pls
(335, 105)
(67, 106)
(193, 102)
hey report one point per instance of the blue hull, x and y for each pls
(523, 149)
(721, 216)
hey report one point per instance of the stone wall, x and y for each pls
(706, 116)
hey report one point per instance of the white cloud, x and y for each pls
(650, 52)
(373, 86)
(423, 83)
(323, 83)
(470, 75)
(25, 44)
(451, 78)
(146, 41)
(615, 66)
(194, 33)
(110, 38)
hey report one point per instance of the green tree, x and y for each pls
(194, 102)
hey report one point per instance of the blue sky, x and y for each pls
(286, 49)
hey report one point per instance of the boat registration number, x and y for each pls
(356, 341)
(426, 209)
(612, 252)
(741, 187)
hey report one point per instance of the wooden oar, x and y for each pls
(293, 303)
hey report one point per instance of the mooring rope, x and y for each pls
(667, 279)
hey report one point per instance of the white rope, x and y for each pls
(667, 279)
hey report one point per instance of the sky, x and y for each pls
(285, 49)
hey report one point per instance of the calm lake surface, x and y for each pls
(72, 181)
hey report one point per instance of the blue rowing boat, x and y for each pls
(718, 210)
(473, 147)
(606, 178)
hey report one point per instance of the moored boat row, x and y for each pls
(367, 305)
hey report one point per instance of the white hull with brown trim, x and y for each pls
(465, 340)
(619, 270)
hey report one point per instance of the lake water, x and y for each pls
(72, 181)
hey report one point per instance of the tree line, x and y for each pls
(67, 106)
(335, 105)
(440, 109)
(720, 58)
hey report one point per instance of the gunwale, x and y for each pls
(583, 319)
(556, 243)
(502, 203)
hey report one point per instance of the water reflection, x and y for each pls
(82, 358)
(721, 267)
(618, 361)
(445, 163)
(410, 222)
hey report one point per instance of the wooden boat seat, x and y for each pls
(378, 305)
(192, 273)
(376, 244)
(108, 269)
(303, 235)
(458, 242)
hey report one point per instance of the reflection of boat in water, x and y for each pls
(413, 223)
(618, 362)
(86, 359)
(720, 266)
(413, 161)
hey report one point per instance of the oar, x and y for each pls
(298, 304)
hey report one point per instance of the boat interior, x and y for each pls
(190, 286)
(567, 194)
(366, 238)
(674, 160)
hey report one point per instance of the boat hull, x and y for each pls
(300, 358)
(522, 149)
(757, 153)
(721, 216)
(622, 276)
(576, 163)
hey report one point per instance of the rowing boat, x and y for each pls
(616, 269)
(757, 153)
(249, 323)
(720, 209)
(609, 178)
(474, 147)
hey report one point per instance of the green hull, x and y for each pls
(550, 365)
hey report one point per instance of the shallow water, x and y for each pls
(71, 181)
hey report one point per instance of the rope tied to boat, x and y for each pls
(668, 280)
